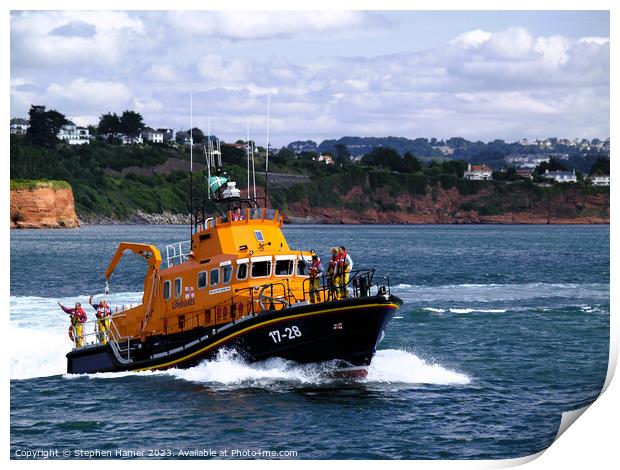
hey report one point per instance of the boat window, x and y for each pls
(259, 236)
(177, 287)
(284, 267)
(303, 266)
(242, 271)
(202, 280)
(261, 268)
(214, 278)
(166, 290)
(270, 214)
(226, 274)
(256, 213)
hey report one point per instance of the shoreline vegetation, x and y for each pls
(148, 184)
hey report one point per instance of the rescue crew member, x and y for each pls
(315, 271)
(344, 265)
(78, 318)
(103, 319)
(332, 278)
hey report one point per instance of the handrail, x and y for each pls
(360, 280)
(182, 255)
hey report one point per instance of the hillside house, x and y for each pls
(73, 135)
(19, 125)
(599, 180)
(478, 172)
(153, 136)
(560, 176)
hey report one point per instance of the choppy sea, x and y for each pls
(503, 328)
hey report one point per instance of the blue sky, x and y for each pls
(479, 75)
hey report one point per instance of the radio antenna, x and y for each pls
(191, 169)
(267, 154)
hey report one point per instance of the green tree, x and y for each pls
(44, 125)
(131, 123)
(383, 157)
(343, 156)
(454, 167)
(552, 165)
(198, 135)
(600, 166)
(109, 124)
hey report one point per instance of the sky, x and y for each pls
(478, 75)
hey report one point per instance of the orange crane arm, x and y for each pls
(148, 252)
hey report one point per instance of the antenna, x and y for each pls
(208, 154)
(191, 170)
(247, 152)
(267, 153)
(253, 172)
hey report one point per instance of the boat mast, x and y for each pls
(247, 152)
(267, 153)
(191, 170)
(209, 153)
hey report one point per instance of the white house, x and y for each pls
(327, 159)
(478, 172)
(170, 135)
(560, 176)
(19, 125)
(153, 136)
(73, 135)
(125, 139)
(599, 180)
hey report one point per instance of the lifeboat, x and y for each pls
(236, 284)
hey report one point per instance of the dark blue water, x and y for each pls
(503, 329)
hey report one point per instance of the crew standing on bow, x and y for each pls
(315, 271)
(78, 318)
(103, 319)
(332, 277)
(344, 266)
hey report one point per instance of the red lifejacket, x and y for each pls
(340, 261)
(103, 312)
(314, 268)
(333, 264)
(79, 314)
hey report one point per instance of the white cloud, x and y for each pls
(554, 49)
(248, 25)
(35, 41)
(163, 72)
(594, 40)
(510, 44)
(471, 39)
(91, 93)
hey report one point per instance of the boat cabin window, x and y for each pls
(261, 268)
(256, 213)
(284, 267)
(270, 214)
(214, 278)
(166, 290)
(202, 280)
(303, 267)
(178, 287)
(226, 274)
(242, 271)
(259, 236)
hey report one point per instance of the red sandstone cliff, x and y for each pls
(444, 206)
(43, 207)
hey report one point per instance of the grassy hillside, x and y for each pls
(101, 192)
(34, 184)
